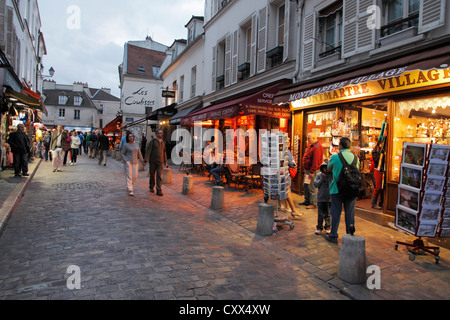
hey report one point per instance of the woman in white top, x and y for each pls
(131, 154)
(74, 147)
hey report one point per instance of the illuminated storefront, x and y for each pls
(409, 95)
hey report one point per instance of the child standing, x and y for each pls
(322, 182)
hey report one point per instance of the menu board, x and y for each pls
(423, 207)
(275, 171)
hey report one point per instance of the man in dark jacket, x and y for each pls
(102, 147)
(20, 147)
(157, 158)
(93, 140)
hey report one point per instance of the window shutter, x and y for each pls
(228, 48)
(349, 20)
(308, 41)
(214, 68)
(432, 15)
(9, 32)
(365, 35)
(262, 40)
(234, 59)
(253, 46)
(3, 25)
(287, 14)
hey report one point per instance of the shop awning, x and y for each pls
(23, 100)
(260, 103)
(33, 94)
(176, 119)
(166, 111)
(403, 73)
(113, 126)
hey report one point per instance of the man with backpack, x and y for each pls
(344, 188)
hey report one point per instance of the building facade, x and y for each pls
(78, 107)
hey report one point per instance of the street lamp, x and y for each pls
(51, 71)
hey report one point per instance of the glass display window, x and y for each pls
(321, 123)
(425, 120)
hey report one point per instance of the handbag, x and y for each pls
(293, 172)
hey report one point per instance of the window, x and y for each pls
(62, 99)
(330, 29)
(280, 33)
(155, 71)
(62, 113)
(193, 81)
(181, 88)
(400, 15)
(76, 115)
(248, 44)
(141, 69)
(78, 100)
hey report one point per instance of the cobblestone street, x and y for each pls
(141, 247)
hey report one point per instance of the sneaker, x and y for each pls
(332, 239)
(328, 230)
(159, 194)
(152, 190)
(318, 231)
(131, 194)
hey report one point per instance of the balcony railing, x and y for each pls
(399, 25)
(330, 52)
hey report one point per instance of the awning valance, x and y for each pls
(33, 94)
(23, 100)
(403, 73)
(176, 119)
(166, 111)
(260, 103)
(113, 126)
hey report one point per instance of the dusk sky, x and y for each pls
(85, 39)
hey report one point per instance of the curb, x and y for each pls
(11, 203)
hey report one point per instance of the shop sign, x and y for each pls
(269, 111)
(394, 80)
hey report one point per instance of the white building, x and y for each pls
(78, 106)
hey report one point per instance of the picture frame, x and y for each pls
(439, 153)
(406, 219)
(427, 230)
(414, 153)
(409, 197)
(411, 175)
(435, 183)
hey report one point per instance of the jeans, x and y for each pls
(216, 173)
(20, 163)
(323, 214)
(73, 155)
(336, 210)
(102, 156)
(47, 154)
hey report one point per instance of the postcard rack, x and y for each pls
(423, 209)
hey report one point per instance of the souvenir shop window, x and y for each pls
(424, 121)
(321, 123)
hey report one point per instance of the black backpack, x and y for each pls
(350, 179)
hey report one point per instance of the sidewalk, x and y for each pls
(400, 278)
(12, 189)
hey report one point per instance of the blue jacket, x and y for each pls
(322, 182)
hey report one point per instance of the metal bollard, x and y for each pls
(266, 215)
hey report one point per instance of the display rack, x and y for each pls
(276, 175)
(423, 209)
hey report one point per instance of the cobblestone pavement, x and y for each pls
(141, 247)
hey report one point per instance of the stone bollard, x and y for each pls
(167, 176)
(266, 215)
(217, 200)
(352, 261)
(118, 155)
(188, 185)
(113, 154)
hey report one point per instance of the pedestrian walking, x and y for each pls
(39, 142)
(102, 147)
(93, 139)
(58, 144)
(80, 135)
(378, 175)
(322, 183)
(337, 198)
(312, 160)
(74, 147)
(20, 144)
(131, 154)
(47, 141)
(67, 149)
(157, 158)
(86, 143)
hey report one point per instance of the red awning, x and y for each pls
(260, 103)
(113, 126)
(36, 96)
(423, 60)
